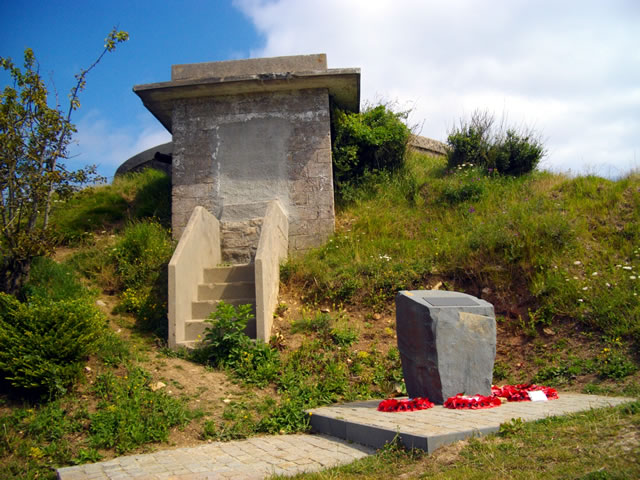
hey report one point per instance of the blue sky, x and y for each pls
(569, 69)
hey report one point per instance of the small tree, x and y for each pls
(34, 137)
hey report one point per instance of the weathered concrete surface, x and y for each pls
(360, 422)
(249, 150)
(447, 343)
(252, 66)
(199, 248)
(250, 131)
(272, 249)
(342, 84)
(427, 145)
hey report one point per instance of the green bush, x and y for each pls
(43, 344)
(478, 143)
(226, 345)
(372, 141)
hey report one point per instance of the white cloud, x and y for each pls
(99, 142)
(570, 69)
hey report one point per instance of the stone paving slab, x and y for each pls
(342, 432)
(254, 458)
(362, 423)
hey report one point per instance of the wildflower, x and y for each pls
(608, 284)
(580, 300)
(471, 209)
(632, 277)
(585, 288)
(577, 262)
(594, 274)
(627, 268)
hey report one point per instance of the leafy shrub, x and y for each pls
(509, 152)
(471, 141)
(226, 345)
(371, 141)
(43, 344)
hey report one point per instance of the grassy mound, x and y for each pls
(542, 248)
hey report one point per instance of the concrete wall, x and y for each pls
(237, 153)
(428, 145)
(272, 249)
(199, 248)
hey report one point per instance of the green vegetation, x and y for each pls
(547, 248)
(322, 370)
(558, 258)
(364, 145)
(477, 142)
(138, 196)
(44, 345)
(34, 140)
(130, 414)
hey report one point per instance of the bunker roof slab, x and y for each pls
(261, 75)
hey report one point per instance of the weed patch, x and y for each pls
(131, 414)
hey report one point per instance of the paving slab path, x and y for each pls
(254, 458)
(356, 424)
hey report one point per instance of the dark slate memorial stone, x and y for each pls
(447, 343)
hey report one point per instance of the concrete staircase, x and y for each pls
(233, 284)
(197, 282)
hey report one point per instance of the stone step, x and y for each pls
(231, 273)
(226, 291)
(202, 308)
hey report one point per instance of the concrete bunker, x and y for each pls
(251, 149)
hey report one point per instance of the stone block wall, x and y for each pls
(233, 154)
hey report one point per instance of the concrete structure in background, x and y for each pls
(247, 132)
(251, 176)
(428, 146)
(447, 343)
(158, 157)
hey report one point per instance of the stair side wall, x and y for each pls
(198, 248)
(272, 249)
